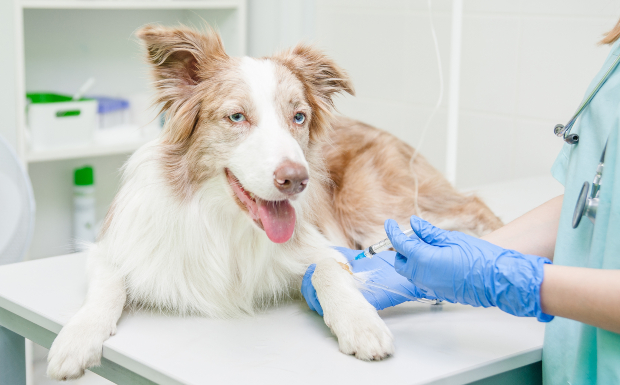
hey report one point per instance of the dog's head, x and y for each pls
(253, 121)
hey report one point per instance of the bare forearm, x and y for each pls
(591, 296)
(532, 233)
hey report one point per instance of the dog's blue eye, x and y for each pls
(300, 118)
(237, 117)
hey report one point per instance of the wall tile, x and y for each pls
(402, 5)
(394, 59)
(534, 148)
(482, 150)
(557, 60)
(589, 8)
(368, 46)
(489, 63)
(525, 67)
(492, 6)
(406, 121)
(420, 73)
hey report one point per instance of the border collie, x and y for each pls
(251, 181)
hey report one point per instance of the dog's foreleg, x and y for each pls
(355, 322)
(79, 344)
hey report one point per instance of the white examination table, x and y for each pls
(444, 344)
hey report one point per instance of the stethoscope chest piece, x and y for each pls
(587, 203)
(582, 206)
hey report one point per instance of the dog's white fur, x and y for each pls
(203, 255)
(269, 142)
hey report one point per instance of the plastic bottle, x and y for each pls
(83, 207)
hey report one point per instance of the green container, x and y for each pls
(43, 97)
(56, 120)
(83, 176)
(47, 97)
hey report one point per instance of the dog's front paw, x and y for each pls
(363, 335)
(78, 346)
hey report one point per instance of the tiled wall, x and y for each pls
(525, 67)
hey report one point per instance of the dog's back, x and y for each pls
(374, 179)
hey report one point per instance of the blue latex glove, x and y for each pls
(380, 269)
(456, 267)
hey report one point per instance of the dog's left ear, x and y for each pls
(322, 78)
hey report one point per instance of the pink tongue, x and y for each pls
(278, 219)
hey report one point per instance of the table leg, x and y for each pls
(12, 358)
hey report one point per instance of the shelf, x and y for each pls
(120, 4)
(101, 146)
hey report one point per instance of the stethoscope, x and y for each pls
(587, 203)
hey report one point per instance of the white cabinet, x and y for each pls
(60, 44)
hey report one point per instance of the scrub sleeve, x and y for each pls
(573, 352)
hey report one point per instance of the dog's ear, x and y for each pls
(181, 59)
(322, 78)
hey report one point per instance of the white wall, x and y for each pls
(525, 67)
(8, 108)
(386, 46)
(278, 24)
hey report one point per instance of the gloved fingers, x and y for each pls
(407, 247)
(377, 298)
(400, 261)
(387, 293)
(427, 232)
(406, 267)
(309, 292)
(386, 256)
(408, 286)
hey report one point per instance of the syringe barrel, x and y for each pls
(386, 244)
(380, 246)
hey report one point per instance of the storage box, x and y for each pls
(58, 121)
(113, 112)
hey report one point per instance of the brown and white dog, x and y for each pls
(251, 181)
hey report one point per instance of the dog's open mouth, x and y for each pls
(277, 218)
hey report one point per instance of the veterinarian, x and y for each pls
(541, 265)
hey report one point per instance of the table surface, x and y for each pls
(443, 344)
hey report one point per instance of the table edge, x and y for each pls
(27, 324)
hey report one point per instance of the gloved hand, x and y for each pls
(456, 267)
(379, 269)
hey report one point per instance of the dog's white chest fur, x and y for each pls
(200, 256)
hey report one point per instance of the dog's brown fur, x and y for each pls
(369, 171)
(373, 181)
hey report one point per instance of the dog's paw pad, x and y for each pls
(76, 348)
(368, 338)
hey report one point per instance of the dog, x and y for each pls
(252, 180)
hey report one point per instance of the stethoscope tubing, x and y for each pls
(564, 131)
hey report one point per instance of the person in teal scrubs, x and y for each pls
(538, 265)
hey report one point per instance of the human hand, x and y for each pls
(379, 269)
(456, 267)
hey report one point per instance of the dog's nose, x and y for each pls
(290, 178)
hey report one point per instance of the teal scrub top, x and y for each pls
(573, 352)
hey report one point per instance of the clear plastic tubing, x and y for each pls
(379, 246)
(409, 297)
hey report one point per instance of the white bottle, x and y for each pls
(83, 208)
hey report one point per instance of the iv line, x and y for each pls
(383, 287)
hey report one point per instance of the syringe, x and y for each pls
(379, 247)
